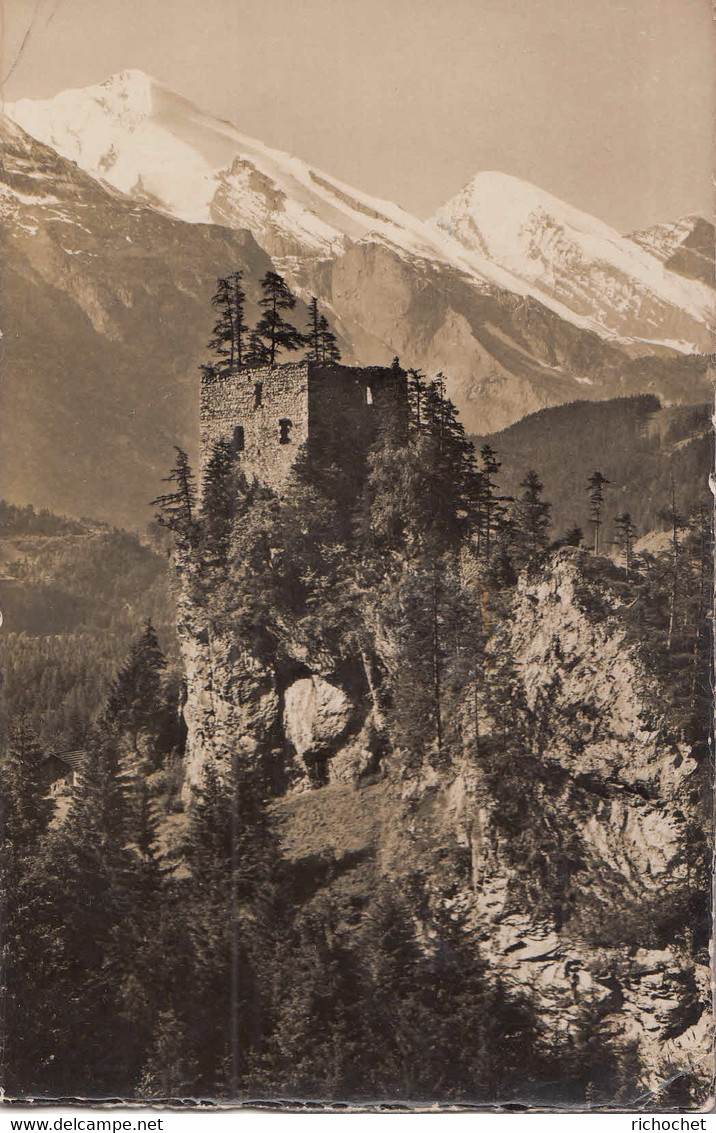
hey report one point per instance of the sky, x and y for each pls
(608, 104)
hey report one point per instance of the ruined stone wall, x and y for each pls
(236, 401)
(339, 408)
(349, 405)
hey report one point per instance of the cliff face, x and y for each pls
(308, 720)
(569, 851)
(505, 354)
(618, 798)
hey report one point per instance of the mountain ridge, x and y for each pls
(564, 251)
(134, 132)
(685, 245)
(106, 313)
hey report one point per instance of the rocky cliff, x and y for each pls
(571, 846)
(612, 811)
(308, 718)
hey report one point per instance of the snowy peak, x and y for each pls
(155, 145)
(622, 289)
(135, 134)
(500, 208)
(685, 246)
(129, 91)
(77, 115)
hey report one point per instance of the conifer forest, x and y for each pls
(391, 784)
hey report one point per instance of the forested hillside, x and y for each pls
(638, 445)
(447, 800)
(73, 596)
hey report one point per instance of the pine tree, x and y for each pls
(596, 485)
(678, 523)
(624, 538)
(137, 706)
(489, 505)
(273, 330)
(257, 353)
(143, 822)
(329, 351)
(454, 473)
(415, 384)
(136, 956)
(436, 630)
(313, 333)
(532, 520)
(220, 492)
(319, 338)
(209, 846)
(420, 493)
(26, 811)
(176, 510)
(97, 818)
(230, 328)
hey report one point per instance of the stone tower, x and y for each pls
(266, 413)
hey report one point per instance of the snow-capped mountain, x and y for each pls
(686, 246)
(154, 145)
(135, 133)
(566, 255)
(104, 313)
(106, 293)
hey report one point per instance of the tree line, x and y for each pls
(235, 344)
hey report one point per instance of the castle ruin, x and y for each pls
(267, 413)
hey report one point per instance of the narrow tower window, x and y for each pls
(258, 394)
(238, 438)
(285, 426)
(368, 395)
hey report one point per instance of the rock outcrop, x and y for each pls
(588, 905)
(621, 794)
(302, 721)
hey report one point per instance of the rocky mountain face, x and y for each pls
(620, 792)
(573, 259)
(602, 781)
(105, 315)
(686, 246)
(306, 720)
(522, 307)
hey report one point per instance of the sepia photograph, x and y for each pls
(356, 554)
